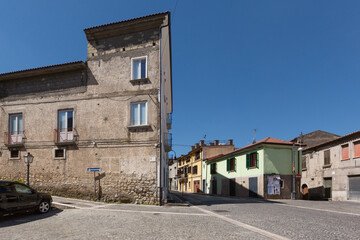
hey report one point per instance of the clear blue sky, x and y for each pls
(282, 67)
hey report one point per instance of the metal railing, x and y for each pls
(14, 138)
(65, 135)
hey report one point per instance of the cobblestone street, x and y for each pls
(208, 217)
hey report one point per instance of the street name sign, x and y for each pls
(94, 169)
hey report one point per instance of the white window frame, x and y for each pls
(66, 116)
(61, 158)
(15, 158)
(139, 113)
(16, 115)
(132, 66)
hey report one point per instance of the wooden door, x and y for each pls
(196, 186)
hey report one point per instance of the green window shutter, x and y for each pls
(228, 165)
(247, 160)
(257, 160)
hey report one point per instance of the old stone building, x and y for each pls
(331, 170)
(110, 112)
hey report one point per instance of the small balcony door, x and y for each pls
(16, 128)
(66, 126)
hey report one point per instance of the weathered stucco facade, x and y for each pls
(100, 97)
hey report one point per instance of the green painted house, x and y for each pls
(262, 169)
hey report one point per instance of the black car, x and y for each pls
(17, 197)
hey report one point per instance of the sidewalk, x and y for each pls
(174, 200)
(66, 203)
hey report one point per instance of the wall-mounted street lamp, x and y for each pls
(28, 158)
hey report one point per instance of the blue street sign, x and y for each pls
(94, 169)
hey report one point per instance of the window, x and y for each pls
(59, 153)
(194, 171)
(14, 153)
(189, 169)
(139, 68)
(357, 149)
(138, 114)
(66, 125)
(66, 120)
(230, 165)
(5, 189)
(327, 157)
(197, 155)
(213, 168)
(252, 160)
(16, 124)
(188, 159)
(303, 160)
(15, 128)
(345, 151)
(22, 189)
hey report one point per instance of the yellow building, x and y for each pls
(190, 177)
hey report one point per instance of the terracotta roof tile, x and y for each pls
(267, 140)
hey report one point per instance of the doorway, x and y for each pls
(327, 187)
(232, 187)
(253, 187)
(214, 186)
(197, 186)
(305, 192)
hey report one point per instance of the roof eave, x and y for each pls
(72, 66)
(125, 27)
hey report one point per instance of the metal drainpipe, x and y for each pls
(293, 172)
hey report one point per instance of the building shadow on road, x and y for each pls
(22, 218)
(199, 199)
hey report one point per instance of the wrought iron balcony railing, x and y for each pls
(66, 136)
(14, 138)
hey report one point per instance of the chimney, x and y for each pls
(202, 143)
(192, 148)
(230, 142)
(196, 145)
(216, 142)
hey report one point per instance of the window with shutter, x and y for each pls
(345, 152)
(327, 157)
(247, 160)
(257, 160)
(213, 168)
(228, 165)
(252, 160)
(357, 149)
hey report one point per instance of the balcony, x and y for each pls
(14, 139)
(66, 136)
(168, 142)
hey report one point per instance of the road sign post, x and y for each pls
(94, 170)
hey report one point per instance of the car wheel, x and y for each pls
(44, 206)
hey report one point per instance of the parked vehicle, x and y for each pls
(17, 197)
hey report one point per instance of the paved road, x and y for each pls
(208, 218)
(287, 218)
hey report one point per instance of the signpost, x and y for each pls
(94, 170)
(298, 176)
